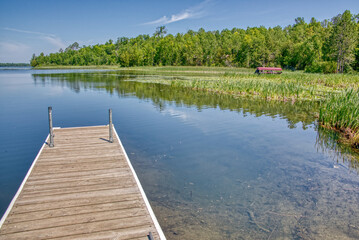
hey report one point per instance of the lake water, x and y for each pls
(213, 167)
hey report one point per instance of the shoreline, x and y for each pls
(242, 82)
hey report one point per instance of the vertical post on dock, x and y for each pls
(150, 236)
(51, 144)
(110, 125)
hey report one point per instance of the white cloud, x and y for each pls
(14, 52)
(158, 21)
(57, 42)
(25, 31)
(50, 38)
(173, 18)
(192, 12)
(13, 47)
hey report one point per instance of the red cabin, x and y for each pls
(268, 70)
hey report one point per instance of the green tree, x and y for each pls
(311, 46)
(160, 31)
(344, 39)
(33, 61)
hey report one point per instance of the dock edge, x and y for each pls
(23, 183)
(149, 208)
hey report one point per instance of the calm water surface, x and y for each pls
(213, 167)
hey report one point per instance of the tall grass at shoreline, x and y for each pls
(341, 112)
(327, 81)
(269, 90)
(338, 105)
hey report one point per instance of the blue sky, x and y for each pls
(28, 27)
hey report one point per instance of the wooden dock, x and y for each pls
(82, 188)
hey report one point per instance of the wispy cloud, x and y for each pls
(12, 47)
(14, 52)
(30, 32)
(48, 37)
(57, 42)
(192, 12)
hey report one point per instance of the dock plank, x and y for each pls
(60, 212)
(132, 233)
(83, 188)
(78, 229)
(32, 192)
(37, 176)
(43, 186)
(80, 202)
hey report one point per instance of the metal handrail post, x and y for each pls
(51, 130)
(150, 236)
(110, 125)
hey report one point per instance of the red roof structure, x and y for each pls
(269, 68)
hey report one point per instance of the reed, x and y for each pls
(337, 93)
(341, 112)
(260, 87)
(339, 107)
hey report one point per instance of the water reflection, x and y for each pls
(327, 141)
(217, 167)
(161, 94)
(133, 84)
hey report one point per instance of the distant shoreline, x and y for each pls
(77, 67)
(15, 65)
(337, 93)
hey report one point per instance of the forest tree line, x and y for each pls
(14, 64)
(328, 46)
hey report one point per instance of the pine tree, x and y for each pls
(344, 39)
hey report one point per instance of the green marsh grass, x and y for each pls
(338, 105)
(341, 112)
